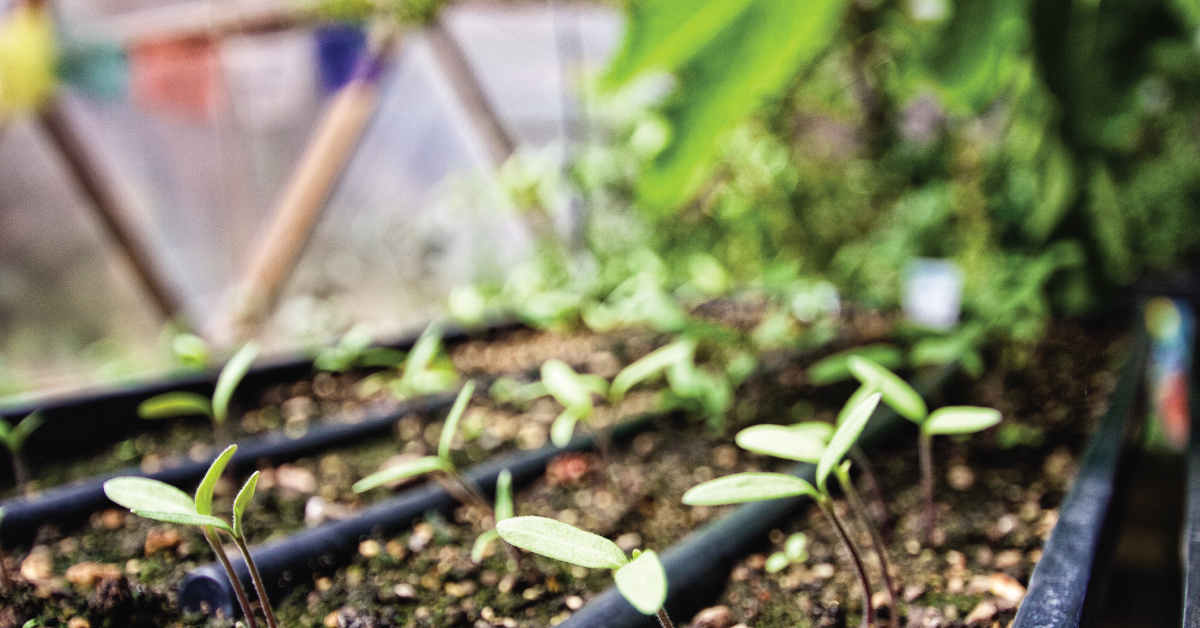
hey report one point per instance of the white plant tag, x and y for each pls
(272, 77)
(933, 293)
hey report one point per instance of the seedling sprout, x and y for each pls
(162, 502)
(354, 350)
(747, 487)
(14, 437)
(909, 404)
(642, 581)
(182, 403)
(795, 551)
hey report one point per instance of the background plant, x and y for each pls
(14, 437)
(216, 408)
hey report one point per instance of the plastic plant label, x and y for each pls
(177, 77)
(933, 293)
(271, 77)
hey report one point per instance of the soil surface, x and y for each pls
(997, 495)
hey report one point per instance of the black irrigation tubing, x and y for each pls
(1191, 550)
(295, 558)
(80, 424)
(1067, 585)
(698, 567)
(73, 504)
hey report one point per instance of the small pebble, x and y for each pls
(396, 549)
(1008, 558)
(296, 479)
(960, 477)
(823, 570)
(404, 591)
(158, 540)
(369, 548)
(112, 519)
(574, 602)
(1006, 588)
(713, 617)
(913, 591)
(982, 613)
(78, 622)
(87, 574)
(37, 565)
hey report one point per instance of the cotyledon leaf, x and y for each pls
(565, 385)
(186, 518)
(557, 540)
(147, 494)
(835, 368)
(204, 492)
(896, 392)
(409, 469)
(564, 425)
(819, 430)
(651, 364)
(452, 419)
(844, 438)
(242, 501)
(781, 442)
(235, 369)
(960, 420)
(643, 582)
(504, 498)
(175, 404)
(747, 487)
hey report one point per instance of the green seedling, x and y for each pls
(162, 502)
(441, 465)
(180, 403)
(748, 487)
(574, 392)
(426, 370)
(807, 442)
(354, 350)
(795, 551)
(14, 437)
(711, 393)
(504, 510)
(909, 404)
(508, 390)
(642, 580)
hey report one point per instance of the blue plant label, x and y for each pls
(933, 293)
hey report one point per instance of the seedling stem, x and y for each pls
(856, 558)
(259, 588)
(211, 536)
(860, 512)
(664, 620)
(929, 515)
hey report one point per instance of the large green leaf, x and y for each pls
(663, 34)
(845, 436)
(420, 466)
(781, 442)
(978, 52)
(960, 420)
(747, 487)
(235, 369)
(452, 419)
(896, 392)
(650, 365)
(174, 404)
(835, 368)
(753, 59)
(242, 501)
(204, 492)
(560, 541)
(643, 582)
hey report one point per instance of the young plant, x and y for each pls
(504, 510)
(441, 465)
(574, 392)
(354, 350)
(711, 393)
(13, 437)
(424, 373)
(909, 404)
(747, 487)
(162, 502)
(181, 403)
(642, 580)
(795, 551)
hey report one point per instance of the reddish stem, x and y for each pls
(856, 557)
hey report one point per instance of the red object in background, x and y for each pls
(1173, 408)
(178, 77)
